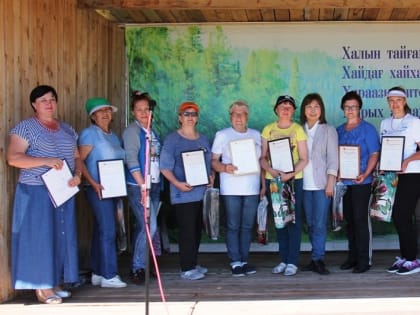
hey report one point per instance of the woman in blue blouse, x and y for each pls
(99, 142)
(186, 199)
(358, 132)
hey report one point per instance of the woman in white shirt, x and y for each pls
(402, 123)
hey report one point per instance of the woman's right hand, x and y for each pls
(54, 163)
(183, 186)
(98, 189)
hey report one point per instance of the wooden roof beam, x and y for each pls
(244, 4)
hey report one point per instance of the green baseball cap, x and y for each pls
(96, 103)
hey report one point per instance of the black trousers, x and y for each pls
(403, 213)
(358, 224)
(189, 217)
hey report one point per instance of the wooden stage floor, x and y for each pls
(219, 285)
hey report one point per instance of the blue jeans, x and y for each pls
(134, 199)
(103, 251)
(316, 205)
(290, 236)
(240, 221)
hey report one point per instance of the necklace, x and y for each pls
(49, 124)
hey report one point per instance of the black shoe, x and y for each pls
(238, 271)
(248, 269)
(309, 267)
(348, 265)
(361, 269)
(319, 267)
(138, 277)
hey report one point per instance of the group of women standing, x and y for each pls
(42, 142)
(46, 236)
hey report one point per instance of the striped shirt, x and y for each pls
(44, 142)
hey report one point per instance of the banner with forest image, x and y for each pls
(214, 65)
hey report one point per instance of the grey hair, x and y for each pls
(241, 104)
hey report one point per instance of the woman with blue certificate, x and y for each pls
(402, 123)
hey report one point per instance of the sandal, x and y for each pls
(62, 293)
(47, 297)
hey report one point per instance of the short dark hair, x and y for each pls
(351, 95)
(39, 91)
(306, 101)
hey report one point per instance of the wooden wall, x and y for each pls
(79, 53)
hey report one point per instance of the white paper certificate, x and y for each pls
(392, 152)
(195, 167)
(57, 182)
(244, 156)
(349, 159)
(112, 178)
(281, 155)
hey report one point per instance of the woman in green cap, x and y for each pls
(99, 142)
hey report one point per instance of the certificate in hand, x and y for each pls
(349, 159)
(281, 155)
(392, 153)
(244, 156)
(195, 167)
(57, 182)
(112, 178)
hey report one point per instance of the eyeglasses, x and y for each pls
(351, 108)
(190, 114)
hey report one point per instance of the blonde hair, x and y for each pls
(240, 104)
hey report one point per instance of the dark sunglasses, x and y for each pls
(190, 114)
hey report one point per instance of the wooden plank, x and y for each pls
(210, 15)
(340, 14)
(239, 16)
(399, 14)
(355, 14)
(326, 14)
(413, 14)
(370, 14)
(296, 15)
(245, 4)
(166, 15)
(181, 16)
(282, 14)
(311, 14)
(107, 14)
(254, 15)
(139, 17)
(152, 16)
(196, 16)
(384, 14)
(268, 15)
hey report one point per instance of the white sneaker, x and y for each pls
(95, 279)
(192, 274)
(201, 269)
(279, 268)
(113, 283)
(290, 270)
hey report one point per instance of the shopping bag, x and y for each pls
(262, 221)
(120, 222)
(283, 202)
(211, 212)
(384, 187)
(337, 206)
